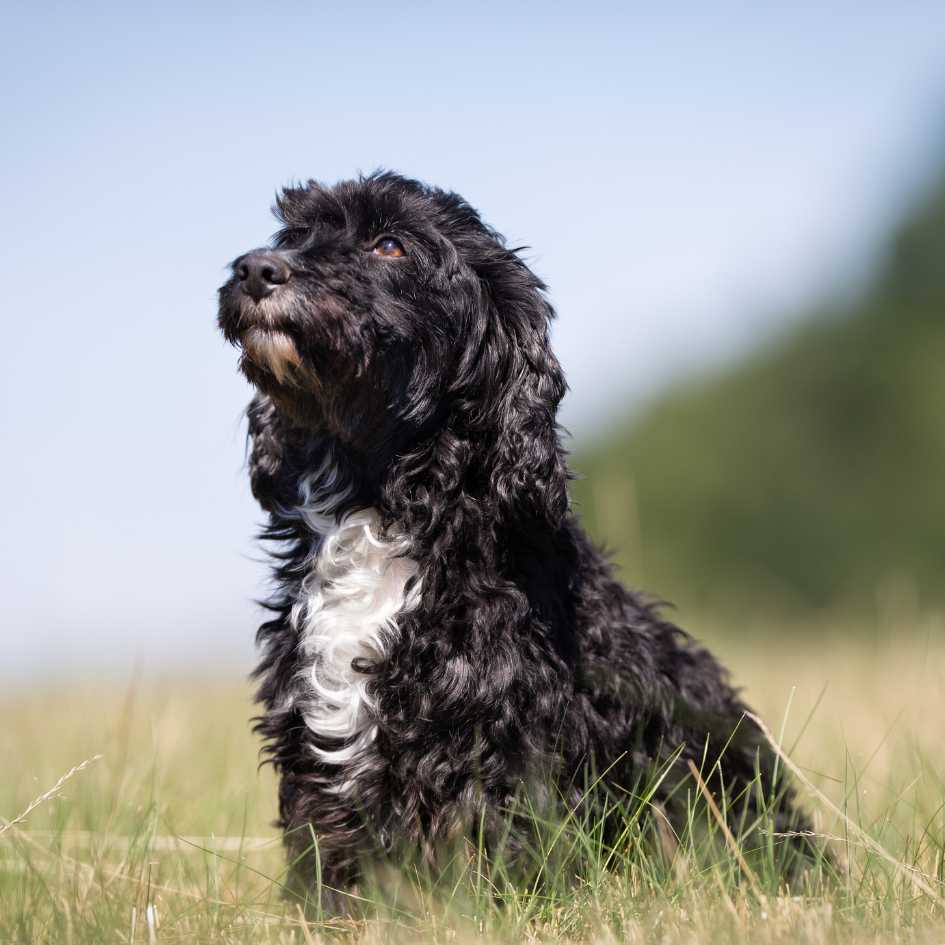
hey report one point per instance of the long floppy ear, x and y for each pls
(500, 442)
(270, 466)
(516, 385)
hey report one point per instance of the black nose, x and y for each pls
(260, 272)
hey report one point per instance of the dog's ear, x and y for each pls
(269, 475)
(500, 441)
(513, 385)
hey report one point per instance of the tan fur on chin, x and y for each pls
(273, 350)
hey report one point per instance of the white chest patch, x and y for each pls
(351, 598)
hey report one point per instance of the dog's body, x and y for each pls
(443, 636)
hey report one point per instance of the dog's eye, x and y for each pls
(388, 246)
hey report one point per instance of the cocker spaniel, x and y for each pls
(443, 636)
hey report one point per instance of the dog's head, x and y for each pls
(386, 314)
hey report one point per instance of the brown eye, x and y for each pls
(388, 246)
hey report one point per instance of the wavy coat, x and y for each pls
(423, 388)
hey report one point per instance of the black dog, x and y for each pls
(443, 632)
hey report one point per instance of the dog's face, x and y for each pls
(386, 311)
(389, 317)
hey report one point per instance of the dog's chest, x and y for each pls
(358, 583)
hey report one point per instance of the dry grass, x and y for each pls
(166, 838)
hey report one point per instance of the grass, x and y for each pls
(166, 837)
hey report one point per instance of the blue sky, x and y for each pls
(686, 179)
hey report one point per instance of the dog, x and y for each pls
(443, 635)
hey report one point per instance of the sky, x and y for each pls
(687, 180)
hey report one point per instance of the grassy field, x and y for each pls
(164, 835)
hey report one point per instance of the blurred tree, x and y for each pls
(809, 476)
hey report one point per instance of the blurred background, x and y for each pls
(740, 211)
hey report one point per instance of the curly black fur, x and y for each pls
(426, 383)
